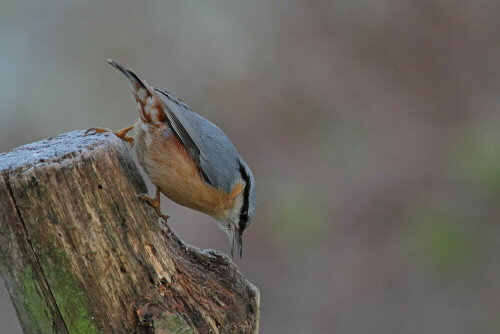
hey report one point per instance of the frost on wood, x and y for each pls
(80, 253)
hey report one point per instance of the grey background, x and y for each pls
(371, 129)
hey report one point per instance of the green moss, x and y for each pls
(70, 299)
(173, 323)
(37, 312)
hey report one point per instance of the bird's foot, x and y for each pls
(154, 202)
(122, 134)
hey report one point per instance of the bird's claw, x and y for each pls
(129, 140)
(155, 203)
(122, 134)
(97, 130)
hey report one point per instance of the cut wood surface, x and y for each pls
(80, 253)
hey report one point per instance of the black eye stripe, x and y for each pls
(246, 194)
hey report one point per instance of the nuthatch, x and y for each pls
(189, 159)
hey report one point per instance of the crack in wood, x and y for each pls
(28, 239)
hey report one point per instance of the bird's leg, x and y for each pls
(122, 134)
(154, 202)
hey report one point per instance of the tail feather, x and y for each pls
(149, 105)
(129, 74)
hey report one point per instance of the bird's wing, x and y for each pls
(183, 122)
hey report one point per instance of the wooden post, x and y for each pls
(80, 253)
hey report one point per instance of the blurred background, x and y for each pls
(372, 129)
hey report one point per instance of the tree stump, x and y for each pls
(80, 253)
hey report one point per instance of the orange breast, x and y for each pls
(171, 168)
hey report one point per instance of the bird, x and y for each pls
(189, 159)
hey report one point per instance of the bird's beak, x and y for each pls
(240, 243)
(231, 240)
(236, 237)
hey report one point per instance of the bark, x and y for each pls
(80, 253)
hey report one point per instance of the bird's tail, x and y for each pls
(150, 106)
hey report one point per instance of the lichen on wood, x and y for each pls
(81, 253)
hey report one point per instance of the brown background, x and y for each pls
(372, 129)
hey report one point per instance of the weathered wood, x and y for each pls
(80, 253)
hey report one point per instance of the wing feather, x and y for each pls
(177, 115)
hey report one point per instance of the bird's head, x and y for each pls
(238, 218)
